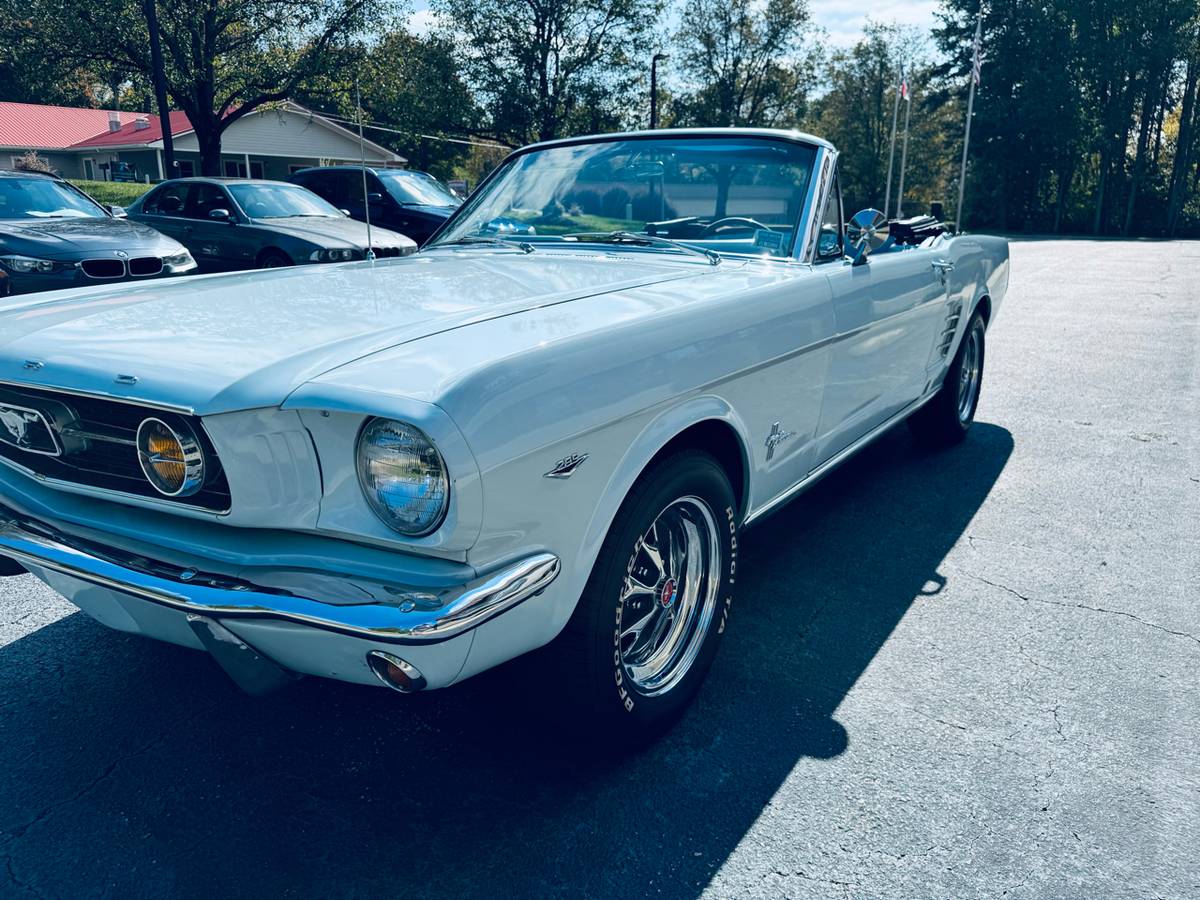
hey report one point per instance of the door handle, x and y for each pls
(943, 265)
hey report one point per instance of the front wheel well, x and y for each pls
(985, 309)
(721, 441)
(271, 251)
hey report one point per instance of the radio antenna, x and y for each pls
(362, 155)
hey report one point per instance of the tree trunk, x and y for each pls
(1066, 175)
(209, 140)
(1143, 146)
(1183, 148)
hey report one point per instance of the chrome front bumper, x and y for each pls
(360, 608)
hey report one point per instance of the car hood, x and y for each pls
(69, 238)
(433, 212)
(330, 232)
(247, 340)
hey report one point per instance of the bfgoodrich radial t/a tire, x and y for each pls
(658, 600)
(945, 420)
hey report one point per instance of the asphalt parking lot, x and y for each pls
(970, 674)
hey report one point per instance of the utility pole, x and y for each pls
(362, 156)
(903, 159)
(887, 197)
(975, 63)
(654, 60)
(160, 87)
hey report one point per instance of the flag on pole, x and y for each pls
(976, 62)
(904, 85)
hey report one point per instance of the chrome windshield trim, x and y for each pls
(394, 614)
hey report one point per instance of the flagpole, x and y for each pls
(962, 177)
(903, 157)
(887, 197)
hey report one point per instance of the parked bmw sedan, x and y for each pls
(230, 223)
(53, 235)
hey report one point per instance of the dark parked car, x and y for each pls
(232, 223)
(53, 235)
(413, 203)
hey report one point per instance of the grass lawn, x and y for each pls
(114, 193)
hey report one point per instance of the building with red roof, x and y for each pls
(97, 144)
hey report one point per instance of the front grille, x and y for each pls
(99, 441)
(383, 252)
(145, 265)
(103, 268)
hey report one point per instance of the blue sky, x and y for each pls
(842, 19)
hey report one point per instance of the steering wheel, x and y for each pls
(731, 221)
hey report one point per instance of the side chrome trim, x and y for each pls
(395, 614)
(830, 464)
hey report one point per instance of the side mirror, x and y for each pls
(345, 212)
(865, 233)
(118, 212)
(374, 197)
(220, 215)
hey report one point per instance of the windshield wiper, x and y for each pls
(495, 241)
(652, 240)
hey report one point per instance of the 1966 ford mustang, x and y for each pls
(407, 471)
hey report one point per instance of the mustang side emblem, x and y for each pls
(777, 437)
(27, 429)
(566, 466)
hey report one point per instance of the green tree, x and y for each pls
(855, 113)
(542, 68)
(223, 58)
(413, 87)
(749, 62)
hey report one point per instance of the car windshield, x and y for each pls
(416, 188)
(737, 194)
(41, 198)
(280, 201)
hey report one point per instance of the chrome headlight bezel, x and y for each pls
(422, 453)
(191, 458)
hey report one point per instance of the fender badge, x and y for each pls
(126, 379)
(566, 466)
(33, 364)
(777, 437)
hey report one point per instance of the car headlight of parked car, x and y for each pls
(27, 265)
(403, 476)
(179, 262)
(335, 255)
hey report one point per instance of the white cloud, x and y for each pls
(844, 19)
(422, 21)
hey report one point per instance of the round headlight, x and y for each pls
(402, 476)
(171, 458)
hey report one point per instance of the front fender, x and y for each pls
(571, 517)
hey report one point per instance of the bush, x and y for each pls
(31, 162)
(614, 202)
(112, 193)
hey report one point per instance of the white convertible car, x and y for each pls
(549, 427)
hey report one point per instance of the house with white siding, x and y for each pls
(101, 145)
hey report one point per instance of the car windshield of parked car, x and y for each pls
(737, 194)
(41, 198)
(280, 201)
(417, 188)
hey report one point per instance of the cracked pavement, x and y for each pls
(969, 674)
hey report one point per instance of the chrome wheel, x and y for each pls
(669, 595)
(968, 375)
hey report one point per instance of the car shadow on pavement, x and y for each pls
(132, 768)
